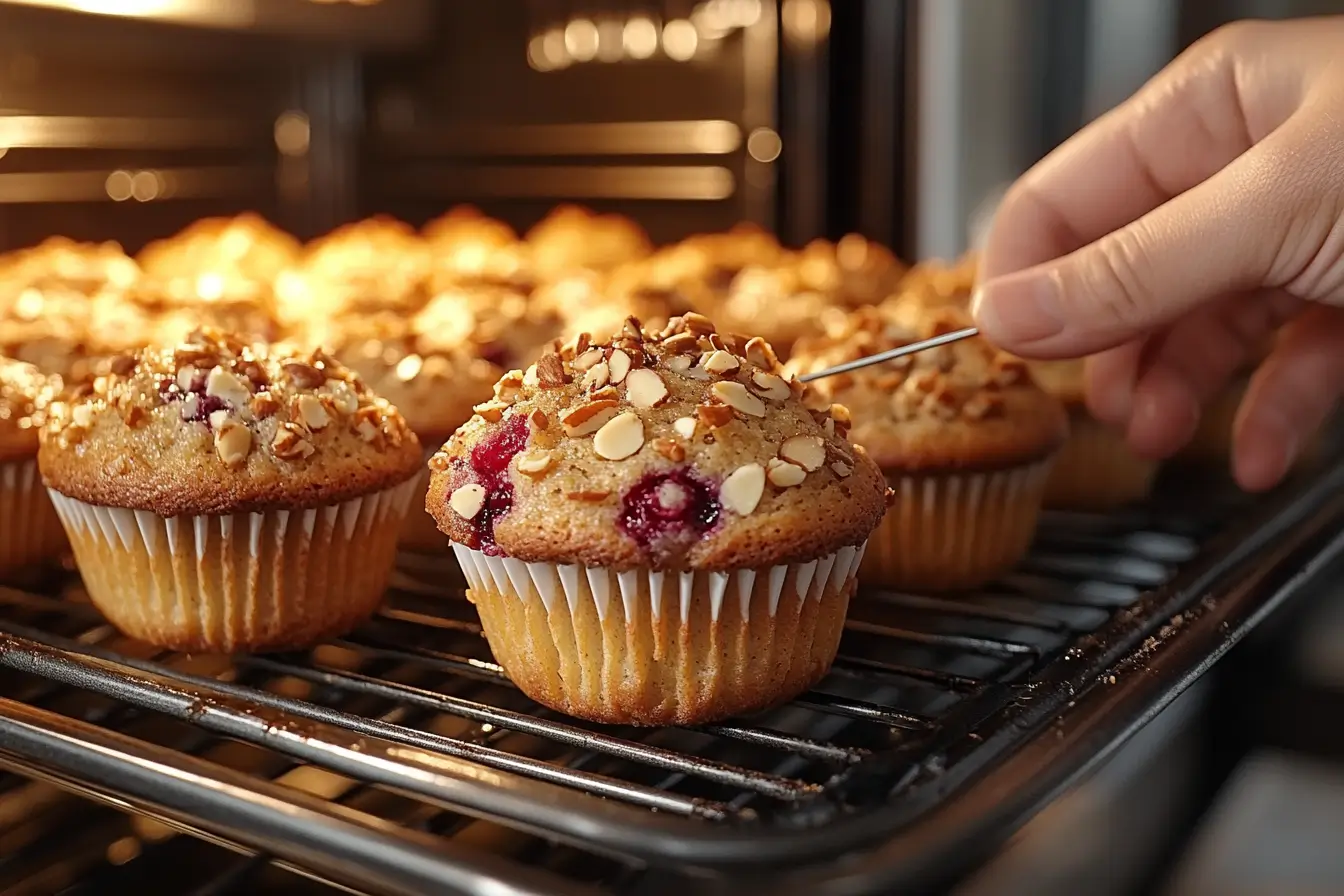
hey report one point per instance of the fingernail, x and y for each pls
(1018, 308)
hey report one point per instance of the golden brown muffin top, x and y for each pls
(469, 247)
(963, 406)
(575, 238)
(936, 283)
(62, 267)
(26, 395)
(215, 426)
(676, 449)
(853, 271)
(215, 259)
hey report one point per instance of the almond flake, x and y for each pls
(633, 329)
(587, 418)
(491, 411)
(759, 352)
(540, 422)
(589, 495)
(697, 323)
(840, 414)
(842, 469)
(233, 442)
(682, 343)
(679, 363)
(228, 387)
(808, 452)
(289, 443)
(312, 413)
(644, 388)
(736, 396)
(742, 489)
(596, 376)
(714, 416)
(670, 449)
(814, 400)
(768, 385)
(185, 376)
(535, 463)
(606, 393)
(467, 500)
(619, 364)
(587, 360)
(550, 371)
(619, 437)
(719, 363)
(530, 377)
(305, 376)
(218, 419)
(685, 427)
(784, 474)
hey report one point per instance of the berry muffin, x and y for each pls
(572, 238)
(851, 272)
(1096, 470)
(467, 247)
(30, 531)
(224, 497)
(655, 529)
(216, 258)
(964, 436)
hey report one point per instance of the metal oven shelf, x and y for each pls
(400, 760)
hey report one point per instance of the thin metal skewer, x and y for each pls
(892, 354)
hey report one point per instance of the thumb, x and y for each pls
(1218, 238)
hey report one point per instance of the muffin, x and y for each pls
(963, 435)
(655, 529)
(30, 531)
(224, 497)
(573, 238)
(1096, 470)
(851, 272)
(467, 247)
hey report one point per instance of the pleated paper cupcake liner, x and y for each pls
(952, 532)
(30, 530)
(242, 582)
(1097, 470)
(645, 647)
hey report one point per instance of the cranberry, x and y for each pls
(205, 406)
(668, 505)
(490, 460)
(202, 408)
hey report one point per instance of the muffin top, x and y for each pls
(216, 426)
(26, 395)
(853, 271)
(575, 238)
(962, 406)
(62, 267)
(468, 247)
(217, 259)
(676, 449)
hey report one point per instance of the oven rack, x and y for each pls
(400, 760)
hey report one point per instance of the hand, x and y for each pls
(1177, 233)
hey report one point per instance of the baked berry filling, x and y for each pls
(196, 405)
(489, 468)
(672, 504)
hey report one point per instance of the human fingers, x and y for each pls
(1289, 397)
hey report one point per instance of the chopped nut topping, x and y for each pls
(842, 469)
(742, 489)
(783, 474)
(122, 365)
(682, 343)
(289, 443)
(840, 414)
(540, 422)
(530, 377)
(759, 352)
(535, 462)
(136, 416)
(645, 389)
(264, 405)
(606, 393)
(736, 396)
(551, 371)
(218, 419)
(814, 399)
(631, 328)
(808, 452)
(186, 376)
(619, 364)
(697, 323)
(311, 413)
(467, 500)
(678, 363)
(685, 427)
(233, 442)
(585, 361)
(509, 386)
(670, 448)
(767, 385)
(1009, 371)
(719, 363)
(305, 376)
(597, 376)
(619, 437)
(344, 399)
(439, 462)
(591, 495)
(714, 416)
(982, 405)
(491, 411)
(82, 415)
(587, 418)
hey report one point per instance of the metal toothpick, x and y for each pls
(892, 354)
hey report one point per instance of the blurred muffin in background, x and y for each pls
(220, 259)
(467, 247)
(717, 258)
(378, 264)
(30, 530)
(852, 272)
(771, 301)
(575, 238)
(936, 283)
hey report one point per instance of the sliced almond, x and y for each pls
(233, 442)
(808, 452)
(814, 399)
(670, 449)
(467, 500)
(679, 363)
(587, 418)
(759, 352)
(312, 413)
(619, 365)
(535, 462)
(289, 443)
(719, 363)
(540, 422)
(697, 323)
(682, 343)
(645, 389)
(550, 371)
(840, 414)
(587, 360)
(530, 378)
(783, 474)
(343, 398)
(620, 437)
(596, 377)
(186, 375)
(606, 393)
(736, 396)
(218, 419)
(714, 415)
(842, 469)
(685, 427)
(228, 386)
(742, 489)
(767, 385)
(590, 495)
(491, 411)
(305, 376)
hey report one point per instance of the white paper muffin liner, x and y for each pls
(30, 531)
(654, 648)
(237, 582)
(954, 531)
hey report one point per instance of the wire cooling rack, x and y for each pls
(400, 760)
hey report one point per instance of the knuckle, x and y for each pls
(1234, 37)
(1114, 281)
